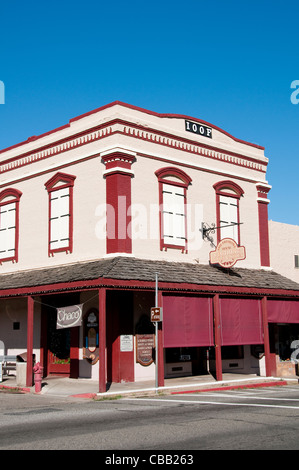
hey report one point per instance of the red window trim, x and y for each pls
(15, 196)
(67, 181)
(184, 182)
(220, 190)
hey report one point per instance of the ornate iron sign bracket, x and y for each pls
(206, 230)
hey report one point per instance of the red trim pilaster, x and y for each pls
(263, 201)
(102, 340)
(30, 315)
(118, 176)
(218, 358)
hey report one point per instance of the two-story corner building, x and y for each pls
(93, 212)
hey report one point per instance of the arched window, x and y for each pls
(173, 184)
(9, 224)
(60, 189)
(228, 196)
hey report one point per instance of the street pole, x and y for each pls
(156, 331)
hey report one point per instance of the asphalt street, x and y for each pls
(251, 419)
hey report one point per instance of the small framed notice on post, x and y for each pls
(126, 343)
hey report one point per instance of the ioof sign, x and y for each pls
(156, 314)
(197, 128)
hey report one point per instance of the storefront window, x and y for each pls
(228, 352)
(286, 335)
(180, 354)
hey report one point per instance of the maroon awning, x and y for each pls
(283, 311)
(241, 321)
(187, 321)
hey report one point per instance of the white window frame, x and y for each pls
(174, 215)
(228, 216)
(60, 190)
(9, 224)
(60, 213)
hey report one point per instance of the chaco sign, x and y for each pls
(68, 317)
(227, 253)
(197, 128)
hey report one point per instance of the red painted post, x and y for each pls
(30, 314)
(160, 346)
(102, 340)
(266, 337)
(218, 358)
(74, 353)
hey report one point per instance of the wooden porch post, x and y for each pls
(30, 314)
(74, 353)
(266, 337)
(218, 358)
(160, 346)
(102, 340)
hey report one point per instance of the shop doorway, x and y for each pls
(120, 339)
(59, 348)
(57, 344)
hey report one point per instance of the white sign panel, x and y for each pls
(126, 343)
(68, 317)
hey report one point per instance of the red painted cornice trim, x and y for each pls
(162, 115)
(136, 108)
(81, 134)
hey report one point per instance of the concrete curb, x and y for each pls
(225, 385)
(233, 387)
(170, 390)
(15, 389)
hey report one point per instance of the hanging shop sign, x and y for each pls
(145, 347)
(197, 128)
(145, 341)
(69, 317)
(227, 253)
(91, 336)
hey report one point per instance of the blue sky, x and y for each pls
(230, 63)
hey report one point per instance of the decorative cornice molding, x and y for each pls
(138, 132)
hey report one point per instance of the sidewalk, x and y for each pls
(86, 388)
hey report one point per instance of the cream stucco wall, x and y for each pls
(284, 245)
(15, 340)
(201, 201)
(165, 144)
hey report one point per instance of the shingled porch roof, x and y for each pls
(136, 271)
